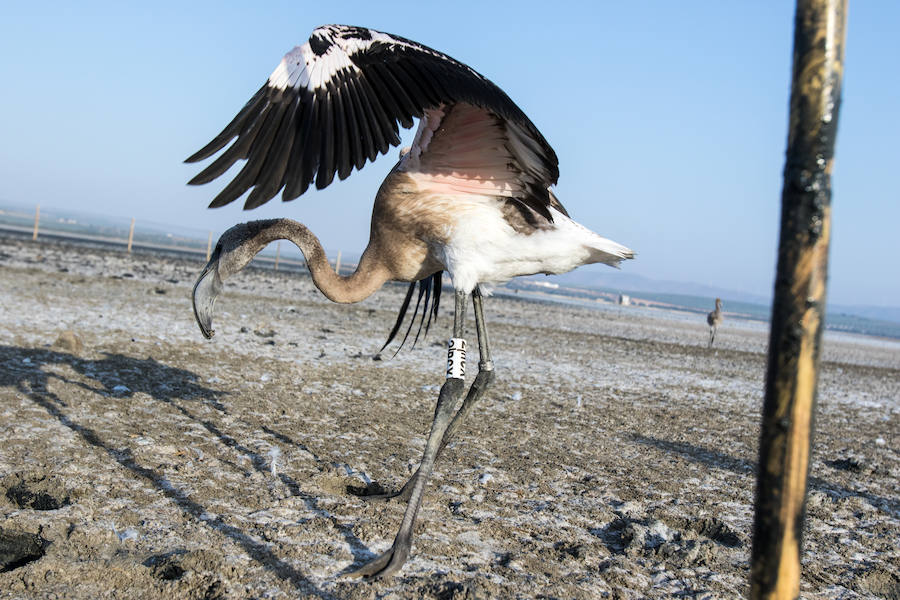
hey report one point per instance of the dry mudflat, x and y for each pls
(614, 458)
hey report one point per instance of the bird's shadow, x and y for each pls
(23, 370)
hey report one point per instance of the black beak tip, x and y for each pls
(203, 318)
(203, 297)
(207, 331)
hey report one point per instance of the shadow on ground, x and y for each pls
(720, 460)
(121, 376)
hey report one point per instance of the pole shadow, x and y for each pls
(719, 460)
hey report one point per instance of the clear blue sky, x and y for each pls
(669, 118)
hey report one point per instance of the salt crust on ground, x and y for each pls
(613, 458)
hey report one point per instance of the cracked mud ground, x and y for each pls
(614, 458)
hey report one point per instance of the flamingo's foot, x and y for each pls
(385, 564)
(375, 491)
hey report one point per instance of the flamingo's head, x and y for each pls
(233, 252)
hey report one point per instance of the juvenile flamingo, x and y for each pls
(714, 319)
(472, 196)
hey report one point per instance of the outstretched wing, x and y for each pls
(335, 102)
(465, 149)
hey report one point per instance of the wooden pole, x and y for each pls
(277, 253)
(798, 308)
(337, 263)
(131, 234)
(208, 246)
(37, 219)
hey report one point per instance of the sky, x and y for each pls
(669, 119)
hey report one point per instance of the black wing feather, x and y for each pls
(392, 110)
(294, 177)
(431, 288)
(428, 91)
(294, 168)
(355, 132)
(310, 156)
(406, 108)
(423, 287)
(326, 165)
(365, 122)
(236, 151)
(251, 109)
(295, 131)
(386, 127)
(437, 281)
(425, 312)
(403, 308)
(272, 173)
(247, 176)
(342, 139)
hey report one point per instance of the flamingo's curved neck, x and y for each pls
(370, 274)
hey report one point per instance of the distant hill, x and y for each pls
(694, 297)
(611, 279)
(883, 313)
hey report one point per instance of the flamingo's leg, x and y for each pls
(391, 561)
(482, 381)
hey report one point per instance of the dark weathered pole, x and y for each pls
(798, 309)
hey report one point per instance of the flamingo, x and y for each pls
(471, 196)
(714, 319)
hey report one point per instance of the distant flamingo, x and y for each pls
(472, 196)
(714, 319)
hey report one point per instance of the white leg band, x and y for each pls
(456, 358)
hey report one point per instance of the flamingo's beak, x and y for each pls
(206, 289)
